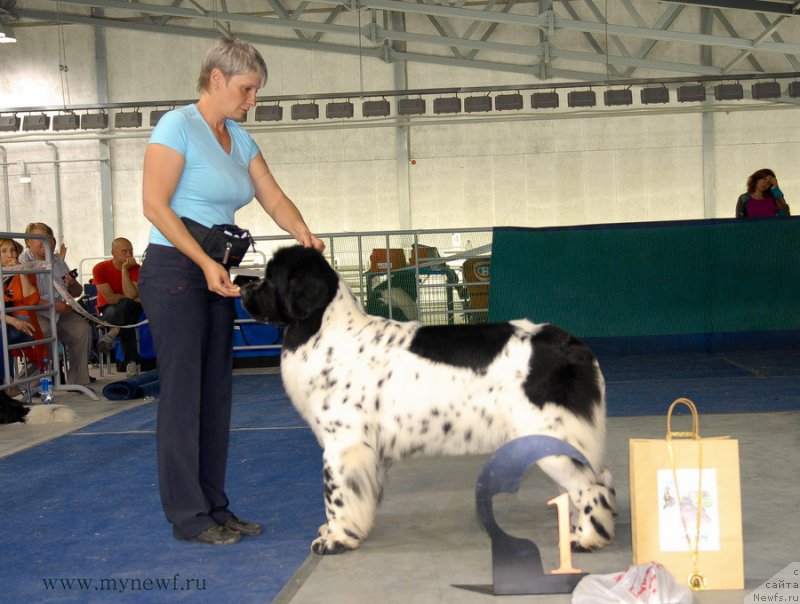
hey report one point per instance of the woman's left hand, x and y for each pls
(219, 281)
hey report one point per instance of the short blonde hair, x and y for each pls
(232, 57)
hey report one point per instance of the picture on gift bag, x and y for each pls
(677, 520)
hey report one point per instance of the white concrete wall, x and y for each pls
(539, 172)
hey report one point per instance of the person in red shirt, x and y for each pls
(118, 300)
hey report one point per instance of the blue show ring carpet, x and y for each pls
(86, 522)
(88, 526)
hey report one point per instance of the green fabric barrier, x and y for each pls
(643, 279)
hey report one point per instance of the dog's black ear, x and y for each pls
(306, 294)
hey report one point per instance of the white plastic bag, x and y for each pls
(648, 583)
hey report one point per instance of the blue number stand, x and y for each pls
(517, 563)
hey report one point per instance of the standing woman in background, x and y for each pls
(202, 165)
(763, 197)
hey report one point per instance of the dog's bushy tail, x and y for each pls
(47, 414)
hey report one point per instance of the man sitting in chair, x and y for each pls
(118, 301)
(73, 331)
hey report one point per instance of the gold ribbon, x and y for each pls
(696, 580)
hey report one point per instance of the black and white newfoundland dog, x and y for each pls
(375, 390)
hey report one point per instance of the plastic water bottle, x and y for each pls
(46, 385)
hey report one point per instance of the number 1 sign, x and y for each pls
(517, 563)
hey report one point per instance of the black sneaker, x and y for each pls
(214, 535)
(242, 526)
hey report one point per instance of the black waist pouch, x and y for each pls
(225, 243)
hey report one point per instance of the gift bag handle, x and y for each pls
(695, 433)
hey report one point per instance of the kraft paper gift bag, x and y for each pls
(686, 508)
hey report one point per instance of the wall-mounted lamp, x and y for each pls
(582, 98)
(9, 123)
(129, 119)
(729, 92)
(378, 108)
(68, 121)
(94, 121)
(305, 111)
(658, 94)
(156, 115)
(766, 90)
(410, 106)
(447, 104)
(339, 110)
(508, 102)
(618, 97)
(269, 113)
(476, 104)
(544, 100)
(691, 93)
(35, 122)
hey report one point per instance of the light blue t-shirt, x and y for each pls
(214, 184)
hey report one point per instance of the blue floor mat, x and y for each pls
(258, 400)
(86, 506)
(740, 381)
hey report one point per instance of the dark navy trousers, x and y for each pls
(192, 330)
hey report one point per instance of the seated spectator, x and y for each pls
(118, 300)
(21, 290)
(73, 331)
(763, 197)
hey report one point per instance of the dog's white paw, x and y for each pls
(334, 542)
(607, 480)
(595, 525)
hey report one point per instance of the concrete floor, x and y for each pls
(17, 437)
(428, 540)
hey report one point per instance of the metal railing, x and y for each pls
(425, 275)
(409, 274)
(44, 267)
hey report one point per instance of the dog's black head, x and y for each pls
(298, 283)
